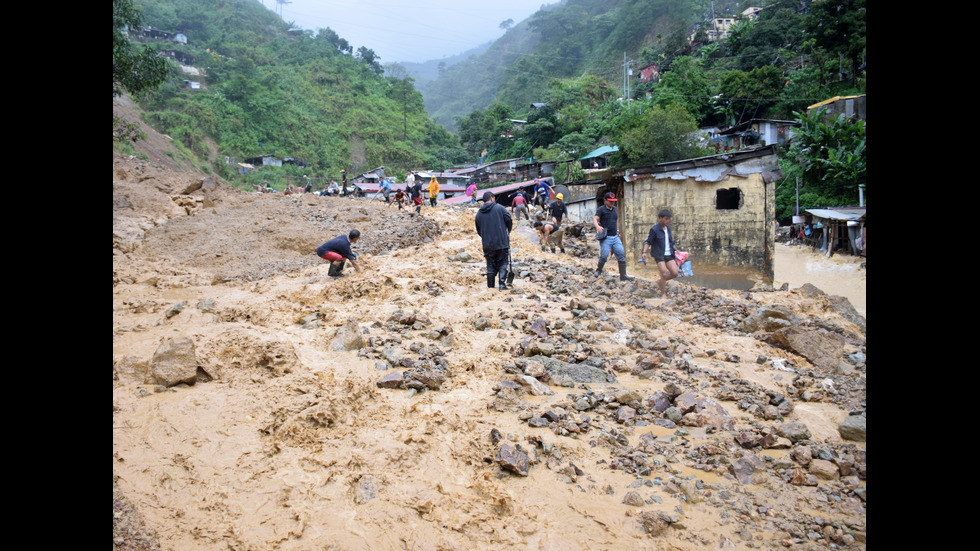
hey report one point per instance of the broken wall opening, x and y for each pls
(728, 199)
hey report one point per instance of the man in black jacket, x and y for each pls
(660, 243)
(493, 224)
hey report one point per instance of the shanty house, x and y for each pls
(445, 179)
(723, 207)
(502, 171)
(538, 169)
(598, 159)
(264, 160)
(650, 72)
(755, 132)
(836, 229)
(856, 106)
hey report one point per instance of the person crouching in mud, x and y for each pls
(337, 251)
(493, 224)
(550, 234)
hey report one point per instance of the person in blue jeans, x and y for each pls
(606, 221)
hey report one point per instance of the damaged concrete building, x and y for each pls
(723, 207)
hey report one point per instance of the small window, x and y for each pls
(728, 199)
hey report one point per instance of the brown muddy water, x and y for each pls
(843, 275)
(711, 276)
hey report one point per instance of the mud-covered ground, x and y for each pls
(259, 404)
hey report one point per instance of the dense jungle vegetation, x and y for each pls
(272, 89)
(570, 56)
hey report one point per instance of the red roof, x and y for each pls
(495, 190)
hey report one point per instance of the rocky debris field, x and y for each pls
(258, 403)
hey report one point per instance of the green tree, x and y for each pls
(748, 93)
(134, 69)
(659, 134)
(828, 156)
(686, 84)
(840, 28)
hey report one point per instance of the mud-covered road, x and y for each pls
(259, 404)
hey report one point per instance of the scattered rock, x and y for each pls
(633, 499)
(654, 523)
(391, 380)
(794, 431)
(745, 468)
(824, 470)
(854, 427)
(511, 459)
(537, 387)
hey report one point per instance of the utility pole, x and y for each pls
(627, 71)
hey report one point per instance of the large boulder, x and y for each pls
(854, 427)
(822, 348)
(706, 411)
(174, 362)
(348, 338)
(579, 373)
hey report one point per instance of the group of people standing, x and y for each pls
(494, 223)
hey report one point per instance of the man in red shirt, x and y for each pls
(518, 205)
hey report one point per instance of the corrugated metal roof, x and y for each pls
(601, 151)
(841, 213)
(495, 190)
(372, 187)
(455, 175)
(831, 100)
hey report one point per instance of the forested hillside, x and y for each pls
(796, 51)
(793, 54)
(270, 89)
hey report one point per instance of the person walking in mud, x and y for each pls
(409, 180)
(493, 224)
(542, 192)
(337, 251)
(551, 235)
(415, 193)
(471, 192)
(606, 222)
(660, 243)
(386, 191)
(518, 205)
(557, 210)
(433, 191)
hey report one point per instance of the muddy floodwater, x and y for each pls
(837, 275)
(711, 276)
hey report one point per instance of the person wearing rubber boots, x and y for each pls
(493, 224)
(606, 222)
(337, 251)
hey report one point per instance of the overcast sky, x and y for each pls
(409, 30)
